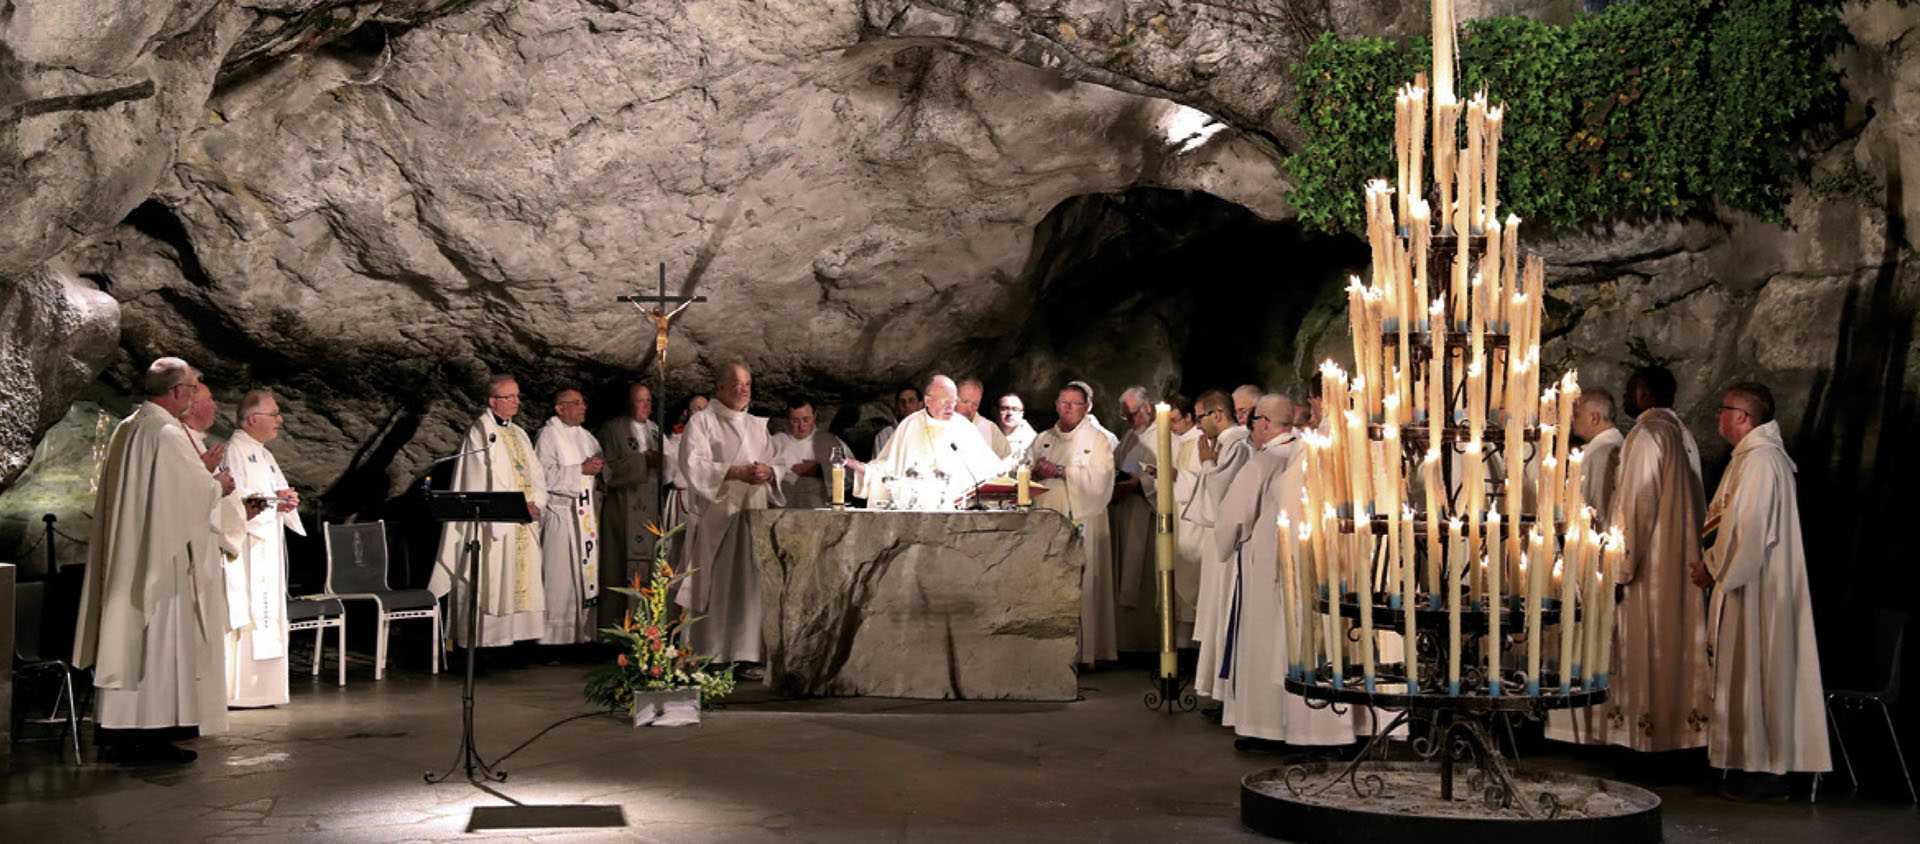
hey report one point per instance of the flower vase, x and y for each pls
(669, 708)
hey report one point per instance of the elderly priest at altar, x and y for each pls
(932, 440)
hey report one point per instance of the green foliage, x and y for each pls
(1656, 107)
(652, 657)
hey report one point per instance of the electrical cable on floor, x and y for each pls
(549, 728)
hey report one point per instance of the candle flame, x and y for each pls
(1513, 220)
(1559, 567)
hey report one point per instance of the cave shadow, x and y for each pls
(1856, 471)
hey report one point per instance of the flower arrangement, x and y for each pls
(654, 657)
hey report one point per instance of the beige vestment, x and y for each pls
(1659, 689)
(1768, 705)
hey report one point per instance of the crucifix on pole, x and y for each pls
(662, 321)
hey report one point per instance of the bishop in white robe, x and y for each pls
(807, 453)
(569, 525)
(728, 460)
(144, 625)
(257, 581)
(513, 601)
(1076, 451)
(1769, 711)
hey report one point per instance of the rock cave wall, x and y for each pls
(367, 206)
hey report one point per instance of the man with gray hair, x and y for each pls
(257, 580)
(1600, 463)
(570, 524)
(971, 393)
(931, 443)
(153, 574)
(1244, 397)
(1130, 516)
(499, 458)
(730, 464)
(1076, 454)
(1257, 705)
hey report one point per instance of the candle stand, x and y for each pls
(1455, 737)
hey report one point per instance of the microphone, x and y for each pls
(426, 481)
(968, 469)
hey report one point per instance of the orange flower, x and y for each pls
(653, 529)
(628, 623)
(636, 580)
(667, 569)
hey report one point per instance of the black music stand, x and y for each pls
(473, 508)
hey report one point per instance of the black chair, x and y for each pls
(318, 614)
(1889, 632)
(357, 570)
(29, 612)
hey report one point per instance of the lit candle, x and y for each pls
(1436, 510)
(1329, 523)
(1283, 576)
(1410, 654)
(840, 486)
(1491, 172)
(1437, 417)
(1446, 140)
(1568, 581)
(1473, 467)
(1457, 567)
(1402, 128)
(1416, 141)
(1476, 393)
(1023, 486)
(1476, 160)
(1388, 471)
(1610, 565)
(1509, 268)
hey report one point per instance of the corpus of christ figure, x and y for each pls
(662, 318)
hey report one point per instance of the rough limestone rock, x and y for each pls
(55, 335)
(959, 606)
(368, 206)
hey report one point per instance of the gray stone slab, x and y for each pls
(978, 605)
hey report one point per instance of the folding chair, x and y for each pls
(357, 570)
(1889, 637)
(318, 614)
(29, 603)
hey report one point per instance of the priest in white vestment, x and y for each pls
(905, 403)
(1224, 449)
(807, 453)
(145, 627)
(570, 523)
(630, 484)
(257, 581)
(730, 465)
(230, 516)
(676, 507)
(1768, 705)
(1076, 451)
(1257, 705)
(971, 393)
(1593, 425)
(1011, 416)
(513, 601)
(1600, 446)
(930, 444)
(1130, 518)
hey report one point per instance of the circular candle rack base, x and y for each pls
(1397, 801)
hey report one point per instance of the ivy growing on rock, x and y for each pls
(1656, 107)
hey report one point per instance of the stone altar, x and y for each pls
(961, 606)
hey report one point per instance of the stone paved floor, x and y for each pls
(345, 765)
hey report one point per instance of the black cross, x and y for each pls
(663, 298)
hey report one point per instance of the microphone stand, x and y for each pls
(468, 753)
